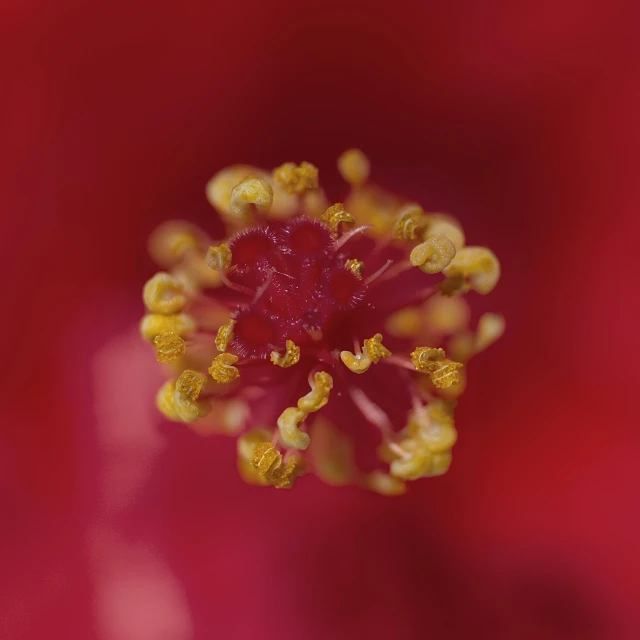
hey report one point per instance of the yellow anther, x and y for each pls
(490, 327)
(411, 220)
(163, 294)
(478, 265)
(190, 383)
(248, 442)
(447, 226)
(267, 460)
(446, 375)
(251, 191)
(428, 440)
(185, 399)
(405, 323)
(443, 372)
(266, 457)
(427, 359)
(172, 241)
(165, 402)
(356, 267)
(291, 356)
(354, 166)
(288, 423)
(446, 315)
(433, 255)
(219, 257)
(384, 484)
(169, 347)
(374, 348)
(222, 369)
(224, 336)
(153, 324)
(336, 215)
(319, 394)
(356, 363)
(296, 179)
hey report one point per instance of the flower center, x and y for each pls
(301, 287)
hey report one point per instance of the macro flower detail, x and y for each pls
(328, 338)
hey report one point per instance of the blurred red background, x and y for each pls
(520, 118)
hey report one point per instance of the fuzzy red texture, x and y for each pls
(519, 118)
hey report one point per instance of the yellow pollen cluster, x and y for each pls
(433, 255)
(154, 324)
(178, 399)
(250, 192)
(291, 356)
(219, 257)
(425, 446)
(296, 179)
(267, 460)
(354, 167)
(169, 347)
(356, 267)
(441, 224)
(411, 220)
(163, 294)
(224, 336)
(372, 352)
(291, 417)
(477, 265)
(336, 215)
(443, 372)
(222, 369)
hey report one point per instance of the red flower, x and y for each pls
(520, 120)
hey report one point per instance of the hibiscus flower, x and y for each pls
(517, 119)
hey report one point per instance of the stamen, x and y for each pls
(319, 395)
(447, 226)
(172, 241)
(357, 363)
(222, 369)
(373, 352)
(163, 294)
(354, 166)
(169, 347)
(446, 375)
(251, 191)
(154, 324)
(425, 359)
(490, 327)
(411, 220)
(356, 267)
(291, 356)
(430, 360)
(268, 462)
(296, 179)
(478, 265)
(224, 336)
(384, 484)
(185, 398)
(164, 400)
(336, 215)
(433, 255)
(291, 435)
(219, 257)
(374, 348)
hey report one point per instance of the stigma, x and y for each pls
(312, 322)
